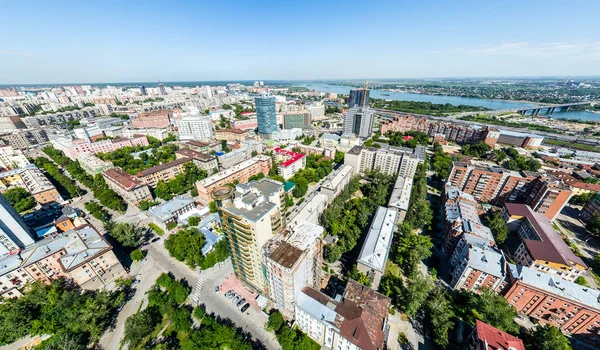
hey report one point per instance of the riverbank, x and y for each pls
(492, 104)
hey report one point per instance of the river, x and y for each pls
(454, 100)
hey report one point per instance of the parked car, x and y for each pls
(217, 289)
(245, 307)
(236, 299)
(232, 295)
(240, 303)
(155, 239)
(228, 293)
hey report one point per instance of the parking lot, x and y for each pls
(233, 284)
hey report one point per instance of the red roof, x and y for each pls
(123, 179)
(292, 156)
(585, 186)
(497, 339)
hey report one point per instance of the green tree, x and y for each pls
(546, 337)
(495, 222)
(440, 314)
(186, 245)
(212, 206)
(137, 255)
(129, 235)
(339, 156)
(593, 225)
(490, 308)
(275, 321)
(138, 326)
(414, 293)
(411, 248)
(20, 199)
(194, 220)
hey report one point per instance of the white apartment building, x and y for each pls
(11, 158)
(92, 164)
(157, 133)
(336, 182)
(241, 154)
(389, 160)
(195, 127)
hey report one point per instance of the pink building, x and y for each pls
(155, 119)
(245, 124)
(73, 147)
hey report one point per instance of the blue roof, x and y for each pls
(211, 240)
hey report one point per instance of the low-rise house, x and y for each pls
(356, 321)
(92, 164)
(373, 256)
(129, 187)
(164, 172)
(291, 162)
(203, 161)
(486, 337)
(230, 134)
(166, 214)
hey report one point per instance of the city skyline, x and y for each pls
(61, 43)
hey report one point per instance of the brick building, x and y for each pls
(541, 246)
(154, 119)
(572, 308)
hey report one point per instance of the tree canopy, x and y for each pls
(60, 309)
(20, 199)
(129, 235)
(186, 245)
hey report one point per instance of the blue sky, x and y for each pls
(122, 41)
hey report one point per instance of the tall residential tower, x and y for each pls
(250, 214)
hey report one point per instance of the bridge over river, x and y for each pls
(551, 108)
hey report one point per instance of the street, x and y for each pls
(158, 261)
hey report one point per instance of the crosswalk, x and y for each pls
(198, 290)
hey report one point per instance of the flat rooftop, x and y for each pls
(400, 197)
(374, 252)
(332, 182)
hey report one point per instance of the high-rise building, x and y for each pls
(14, 233)
(359, 98)
(195, 127)
(250, 216)
(293, 260)
(162, 89)
(143, 91)
(266, 114)
(359, 121)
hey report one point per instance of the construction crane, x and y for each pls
(567, 81)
